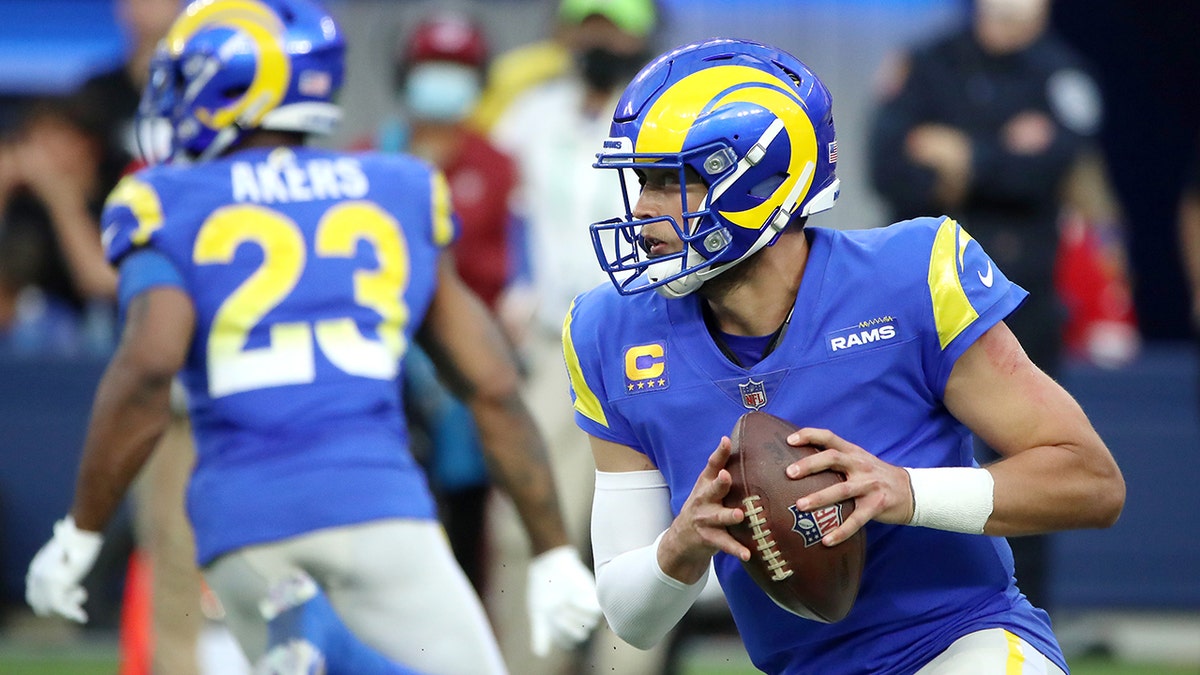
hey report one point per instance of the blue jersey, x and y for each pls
(879, 320)
(309, 271)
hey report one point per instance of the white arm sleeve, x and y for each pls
(630, 513)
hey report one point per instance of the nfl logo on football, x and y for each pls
(812, 526)
(754, 394)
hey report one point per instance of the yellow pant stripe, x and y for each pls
(1016, 657)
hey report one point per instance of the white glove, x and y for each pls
(52, 583)
(563, 608)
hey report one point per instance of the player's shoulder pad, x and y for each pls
(962, 280)
(895, 254)
(132, 215)
(603, 311)
(936, 258)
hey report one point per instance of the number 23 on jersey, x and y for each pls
(289, 358)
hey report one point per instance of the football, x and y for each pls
(787, 559)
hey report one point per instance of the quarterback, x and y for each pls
(885, 346)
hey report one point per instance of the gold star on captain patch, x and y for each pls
(641, 385)
(630, 386)
(662, 382)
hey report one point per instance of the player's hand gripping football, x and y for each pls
(563, 608)
(880, 490)
(52, 583)
(699, 531)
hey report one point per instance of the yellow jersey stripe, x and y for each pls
(443, 226)
(586, 401)
(1015, 663)
(952, 311)
(141, 200)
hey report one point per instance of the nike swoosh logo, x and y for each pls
(986, 280)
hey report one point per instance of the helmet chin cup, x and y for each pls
(675, 288)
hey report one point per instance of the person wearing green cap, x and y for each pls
(522, 68)
(636, 17)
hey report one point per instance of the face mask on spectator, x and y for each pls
(441, 92)
(603, 69)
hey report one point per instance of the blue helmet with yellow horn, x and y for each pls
(754, 123)
(228, 67)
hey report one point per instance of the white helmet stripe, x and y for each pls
(750, 159)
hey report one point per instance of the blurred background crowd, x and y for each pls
(1063, 134)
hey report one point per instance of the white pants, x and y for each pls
(994, 651)
(394, 583)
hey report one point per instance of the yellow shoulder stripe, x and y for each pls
(586, 401)
(141, 199)
(440, 209)
(952, 311)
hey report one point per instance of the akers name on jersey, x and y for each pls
(280, 178)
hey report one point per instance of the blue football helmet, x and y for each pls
(228, 67)
(751, 120)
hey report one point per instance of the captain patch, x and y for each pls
(646, 368)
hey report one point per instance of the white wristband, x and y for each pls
(956, 499)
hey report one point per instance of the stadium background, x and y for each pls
(1133, 590)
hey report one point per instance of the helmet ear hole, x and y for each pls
(790, 73)
(767, 187)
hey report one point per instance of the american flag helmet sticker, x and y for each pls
(833, 152)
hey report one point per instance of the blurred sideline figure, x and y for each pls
(439, 68)
(513, 72)
(985, 125)
(520, 68)
(55, 170)
(552, 130)
(284, 284)
(52, 184)
(1092, 271)
(82, 145)
(32, 322)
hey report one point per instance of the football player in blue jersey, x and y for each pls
(886, 346)
(284, 283)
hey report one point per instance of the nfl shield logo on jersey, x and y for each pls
(814, 525)
(754, 394)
